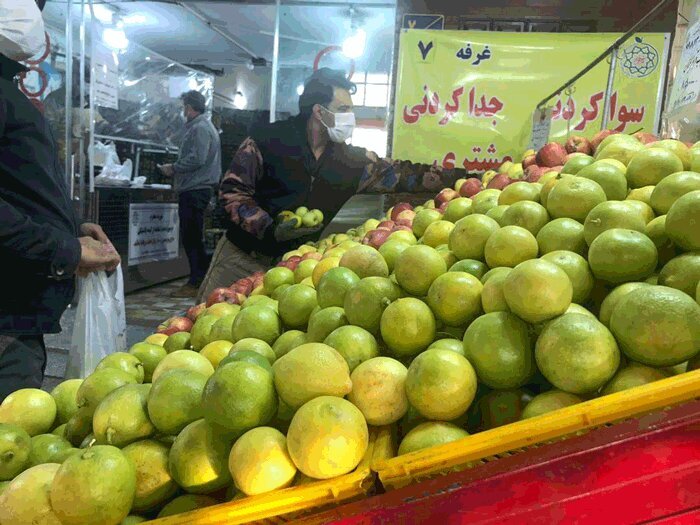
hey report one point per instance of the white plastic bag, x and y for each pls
(100, 322)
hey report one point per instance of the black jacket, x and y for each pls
(293, 177)
(39, 249)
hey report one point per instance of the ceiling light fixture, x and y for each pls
(239, 100)
(115, 38)
(354, 45)
(102, 13)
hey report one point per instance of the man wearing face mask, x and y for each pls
(42, 243)
(301, 161)
(196, 172)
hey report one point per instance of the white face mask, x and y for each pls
(344, 126)
(21, 29)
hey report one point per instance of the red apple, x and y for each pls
(470, 188)
(385, 225)
(404, 222)
(406, 227)
(406, 215)
(243, 286)
(293, 262)
(533, 173)
(174, 325)
(530, 160)
(195, 311)
(598, 137)
(577, 143)
(645, 138)
(551, 154)
(400, 208)
(376, 238)
(257, 279)
(225, 295)
(443, 207)
(312, 255)
(500, 181)
(458, 184)
(444, 196)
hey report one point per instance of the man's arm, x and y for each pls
(194, 151)
(237, 191)
(378, 176)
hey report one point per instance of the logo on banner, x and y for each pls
(425, 49)
(639, 59)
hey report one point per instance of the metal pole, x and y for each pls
(93, 46)
(275, 63)
(68, 117)
(81, 136)
(608, 90)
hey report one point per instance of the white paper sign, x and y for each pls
(541, 124)
(686, 85)
(154, 233)
(106, 89)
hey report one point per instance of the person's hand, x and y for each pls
(167, 169)
(288, 231)
(96, 256)
(95, 231)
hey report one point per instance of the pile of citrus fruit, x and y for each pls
(453, 319)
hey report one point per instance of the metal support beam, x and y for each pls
(206, 20)
(275, 64)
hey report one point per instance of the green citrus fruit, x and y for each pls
(276, 277)
(407, 326)
(470, 266)
(611, 179)
(365, 302)
(417, 267)
(631, 376)
(492, 297)
(174, 400)
(672, 188)
(609, 215)
(538, 290)
(649, 167)
(355, 344)
(365, 261)
(296, 305)
(457, 209)
(526, 214)
(576, 267)
(455, 298)
(519, 191)
(682, 273)
(657, 326)
(562, 234)
(548, 402)
(618, 256)
(499, 347)
(441, 384)
(574, 197)
(577, 354)
(468, 239)
(510, 246)
(611, 300)
(437, 233)
(430, 434)
(683, 221)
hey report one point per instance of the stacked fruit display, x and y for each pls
(454, 317)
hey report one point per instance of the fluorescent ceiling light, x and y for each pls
(115, 38)
(103, 13)
(239, 100)
(134, 18)
(354, 45)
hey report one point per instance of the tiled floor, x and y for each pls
(153, 305)
(145, 309)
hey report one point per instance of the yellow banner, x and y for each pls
(466, 99)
